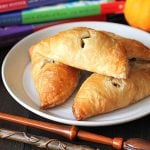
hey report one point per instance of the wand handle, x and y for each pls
(69, 132)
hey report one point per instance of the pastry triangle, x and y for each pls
(54, 81)
(100, 94)
(88, 49)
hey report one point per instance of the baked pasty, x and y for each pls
(88, 49)
(95, 51)
(100, 94)
(54, 81)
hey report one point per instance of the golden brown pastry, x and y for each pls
(134, 48)
(54, 81)
(96, 51)
(100, 94)
(89, 50)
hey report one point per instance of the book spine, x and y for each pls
(8, 32)
(10, 19)
(15, 5)
(54, 13)
(113, 7)
(11, 5)
(37, 3)
(11, 35)
(60, 12)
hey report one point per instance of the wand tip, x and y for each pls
(137, 144)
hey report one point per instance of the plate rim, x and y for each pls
(53, 118)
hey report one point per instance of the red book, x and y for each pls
(112, 7)
(7, 1)
(12, 5)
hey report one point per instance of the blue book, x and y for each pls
(37, 3)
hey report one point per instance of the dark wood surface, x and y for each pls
(139, 128)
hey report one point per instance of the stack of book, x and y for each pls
(19, 18)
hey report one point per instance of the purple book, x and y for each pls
(11, 35)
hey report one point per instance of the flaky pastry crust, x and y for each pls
(88, 49)
(101, 94)
(54, 81)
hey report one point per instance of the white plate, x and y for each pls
(17, 79)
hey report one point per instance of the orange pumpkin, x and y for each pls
(137, 13)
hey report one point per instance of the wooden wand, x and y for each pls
(39, 141)
(72, 132)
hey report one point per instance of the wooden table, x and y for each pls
(138, 128)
